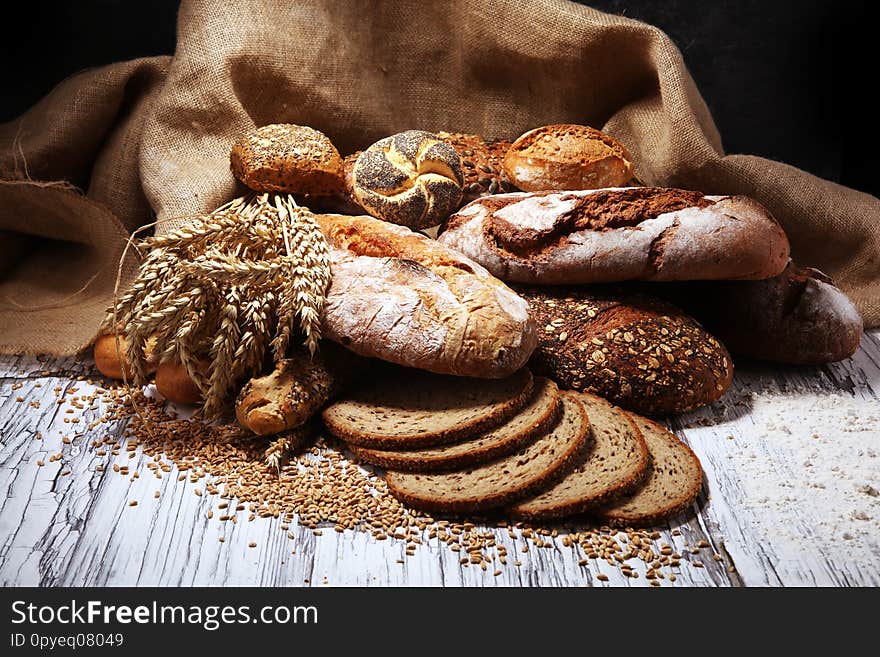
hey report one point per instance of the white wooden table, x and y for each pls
(791, 457)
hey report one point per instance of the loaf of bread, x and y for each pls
(411, 178)
(567, 156)
(402, 297)
(481, 164)
(798, 317)
(641, 353)
(636, 233)
(287, 158)
(298, 387)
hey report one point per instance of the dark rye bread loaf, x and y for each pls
(616, 464)
(639, 352)
(798, 317)
(481, 164)
(670, 488)
(409, 409)
(503, 481)
(537, 416)
(619, 234)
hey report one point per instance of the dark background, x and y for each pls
(790, 80)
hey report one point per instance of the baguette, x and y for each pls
(402, 297)
(619, 234)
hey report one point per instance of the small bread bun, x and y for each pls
(412, 179)
(174, 384)
(107, 361)
(287, 158)
(557, 157)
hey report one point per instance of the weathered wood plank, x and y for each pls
(78, 529)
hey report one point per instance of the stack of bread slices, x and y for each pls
(518, 445)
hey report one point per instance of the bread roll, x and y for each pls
(798, 317)
(402, 297)
(567, 157)
(411, 179)
(641, 353)
(107, 359)
(175, 384)
(635, 233)
(287, 158)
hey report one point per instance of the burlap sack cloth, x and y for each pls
(153, 135)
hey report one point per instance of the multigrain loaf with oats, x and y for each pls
(567, 156)
(411, 178)
(539, 414)
(403, 297)
(617, 463)
(610, 235)
(637, 351)
(481, 164)
(503, 481)
(798, 317)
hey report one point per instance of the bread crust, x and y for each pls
(567, 156)
(403, 297)
(174, 384)
(619, 234)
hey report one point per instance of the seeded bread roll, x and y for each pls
(608, 235)
(672, 485)
(411, 179)
(634, 350)
(503, 481)
(538, 416)
(798, 317)
(567, 157)
(481, 163)
(402, 297)
(287, 158)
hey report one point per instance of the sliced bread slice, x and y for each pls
(505, 480)
(537, 416)
(671, 486)
(409, 409)
(616, 464)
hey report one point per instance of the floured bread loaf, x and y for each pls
(405, 298)
(411, 178)
(607, 235)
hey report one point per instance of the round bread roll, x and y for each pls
(175, 384)
(412, 179)
(287, 158)
(566, 156)
(107, 358)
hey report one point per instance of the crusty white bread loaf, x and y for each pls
(619, 234)
(798, 317)
(411, 178)
(567, 156)
(403, 297)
